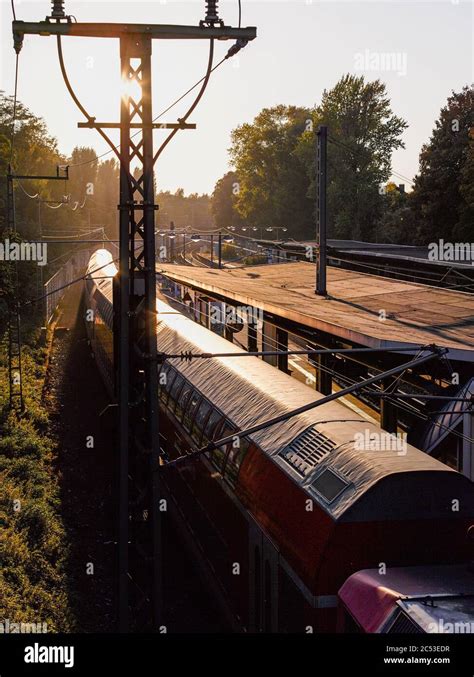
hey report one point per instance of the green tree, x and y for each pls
(101, 207)
(396, 223)
(443, 197)
(363, 133)
(34, 152)
(273, 180)
(224, 200)
(186, 211)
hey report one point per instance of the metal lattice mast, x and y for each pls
(137, 374)
(15, 374)
(135, 297)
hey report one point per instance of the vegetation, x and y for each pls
(192, 210)
(443, 197)
(33, 548)
(224, 200)
(275, 161)
(273, 182)
(275, 169)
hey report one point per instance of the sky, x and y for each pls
(302, 48)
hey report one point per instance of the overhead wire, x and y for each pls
(340, 143)
(15, 103)
(163, 112)
(193, 105)
(388, 396)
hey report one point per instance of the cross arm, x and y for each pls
(116, 30)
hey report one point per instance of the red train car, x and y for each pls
(284, 517)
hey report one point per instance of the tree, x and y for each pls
(396, 223)
(186, 211)
(224, 200)
(273, 181)
(363, 133)
(102, 205)
(443, 197)
(34, 152)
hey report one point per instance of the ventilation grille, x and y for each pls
(404, 625)
(307, 450)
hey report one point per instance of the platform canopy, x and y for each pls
(364, 309)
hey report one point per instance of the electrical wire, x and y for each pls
(400, 271)
(392, 398)
(193, 105)
(32, 197)
(290, 414)
(72, 93)
(337, 142)
(65, 286)
(163, 112)
(15, 96)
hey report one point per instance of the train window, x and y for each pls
(219, 455)
(193, 404)
(234, 461)
(183, 400)
(329, 485)
(212, 426)
(200, 420)
(175, 390)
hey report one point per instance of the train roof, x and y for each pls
(322, 449)
(436, 598)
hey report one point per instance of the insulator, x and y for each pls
(212, 13)
(58, 9)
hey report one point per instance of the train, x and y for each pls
(284, 517)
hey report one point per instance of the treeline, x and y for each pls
(71, 209)
(274, 180)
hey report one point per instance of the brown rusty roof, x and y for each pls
(415, 313)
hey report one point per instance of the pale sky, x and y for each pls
(302, 47)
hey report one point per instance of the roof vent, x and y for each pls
(307, 450)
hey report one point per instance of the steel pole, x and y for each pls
(321, 289)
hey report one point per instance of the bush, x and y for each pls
(33, 548)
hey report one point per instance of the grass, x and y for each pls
(33, 546)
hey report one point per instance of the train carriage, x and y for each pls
(282, 518)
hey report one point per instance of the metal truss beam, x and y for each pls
(153, 31)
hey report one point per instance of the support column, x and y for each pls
(252, 345)
(269, 342)
(282, 344)
(322, 214)
(323, 375)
